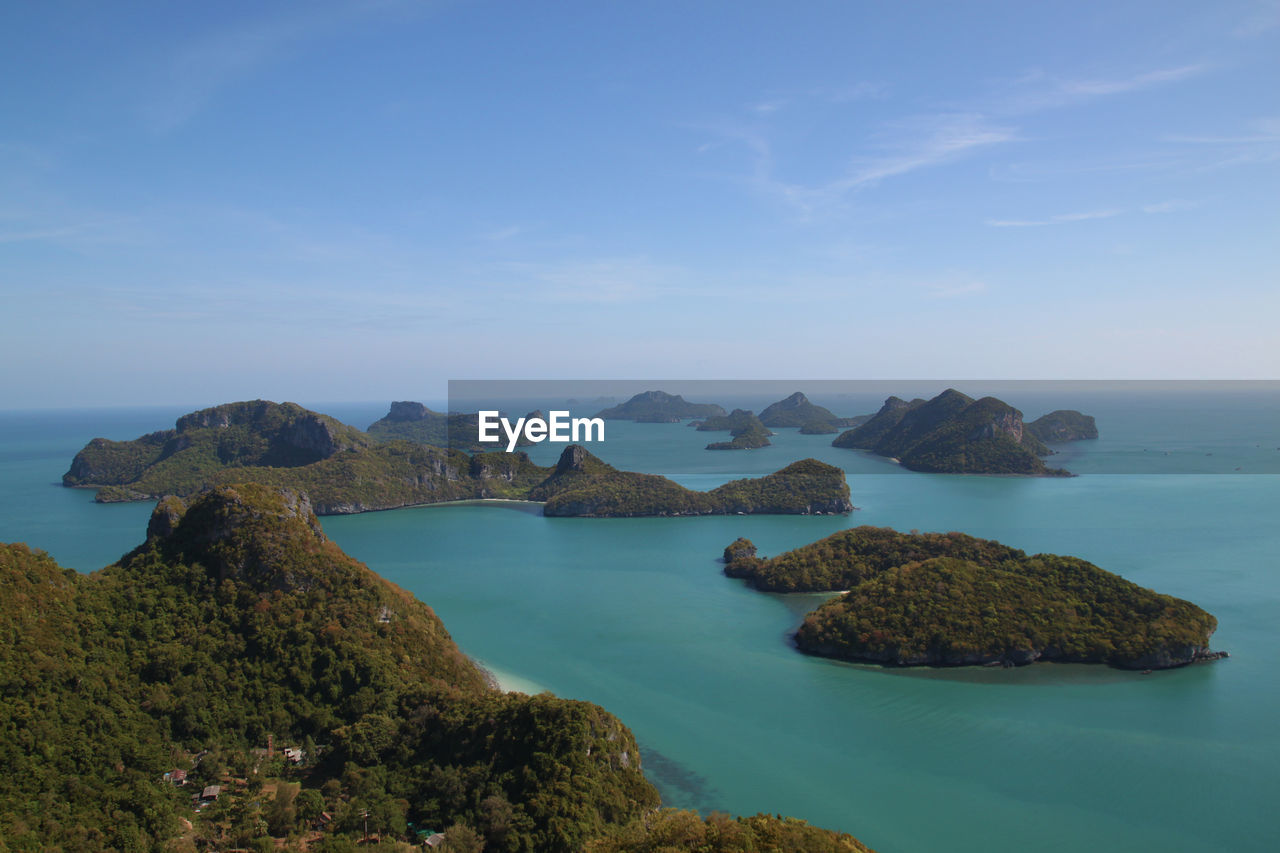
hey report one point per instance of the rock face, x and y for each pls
(952, 433)
(240, 530)
(254, 433)
(1064, 425)
(953, 600)
(408, 411)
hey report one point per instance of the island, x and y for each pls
(238, 682)
(344, 470)
(414, 422)
(746, 430)
(583, 486)
(797, 411)
(659, 407)
(952, 434)
(1064, 425)
(948, 599)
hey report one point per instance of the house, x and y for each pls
(434, 840)
(295, 754)
(176, 777)
(210, 794)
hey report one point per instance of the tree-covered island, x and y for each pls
(238, 682)
(344, 470)
(952, 434)
(659, 407)
(745, 429)
(947, 599)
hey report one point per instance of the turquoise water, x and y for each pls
(634, 614)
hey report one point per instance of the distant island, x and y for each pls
(1064, 425)
(747, 432)
(659, 407)
(238, 682)
(953, 434)
(935, 599)
(583, 486)
(797, 411)
(343, 470)
(410, 421)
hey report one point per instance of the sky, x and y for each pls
(209, 202)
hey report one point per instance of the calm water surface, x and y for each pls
(635, 615)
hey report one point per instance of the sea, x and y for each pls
(1180, 493)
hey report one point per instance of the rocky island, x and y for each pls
(414, 422)
(1064, 425)
(952, 434)
(797, 411)
(659, 407)
(343, 470)
(583, 486)
(746, 430)
(933, 599)
(240, 660)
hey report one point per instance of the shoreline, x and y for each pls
(507, 682)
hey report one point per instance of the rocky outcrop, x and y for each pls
(407, 411)
(659, 407)
(1064, 425)
(951, 434)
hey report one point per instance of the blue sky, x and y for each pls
(359, 201)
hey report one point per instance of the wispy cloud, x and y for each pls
(1060, 219)
(929, 141)
(1176, 205)
(587, 281)
(36, 234)
(955, 288)
(195, 72)
(1040, 90)
(1120, 85)
(1260, 145)
(897, 149)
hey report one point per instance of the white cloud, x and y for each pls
(1119, 85)
(919, 143)
(1171, 206)
(1038, 90)
(1060, 219)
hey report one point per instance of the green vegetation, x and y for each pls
(238, 622)
(843, 560)
(356, 474)
(797, 411)
(660, 407)
(676, 831)
(954, 434)
(251, 434)
(1064, 425)
(950, 599)
(738, 419)
(747, 431)
(583, 486)
(821, 428)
